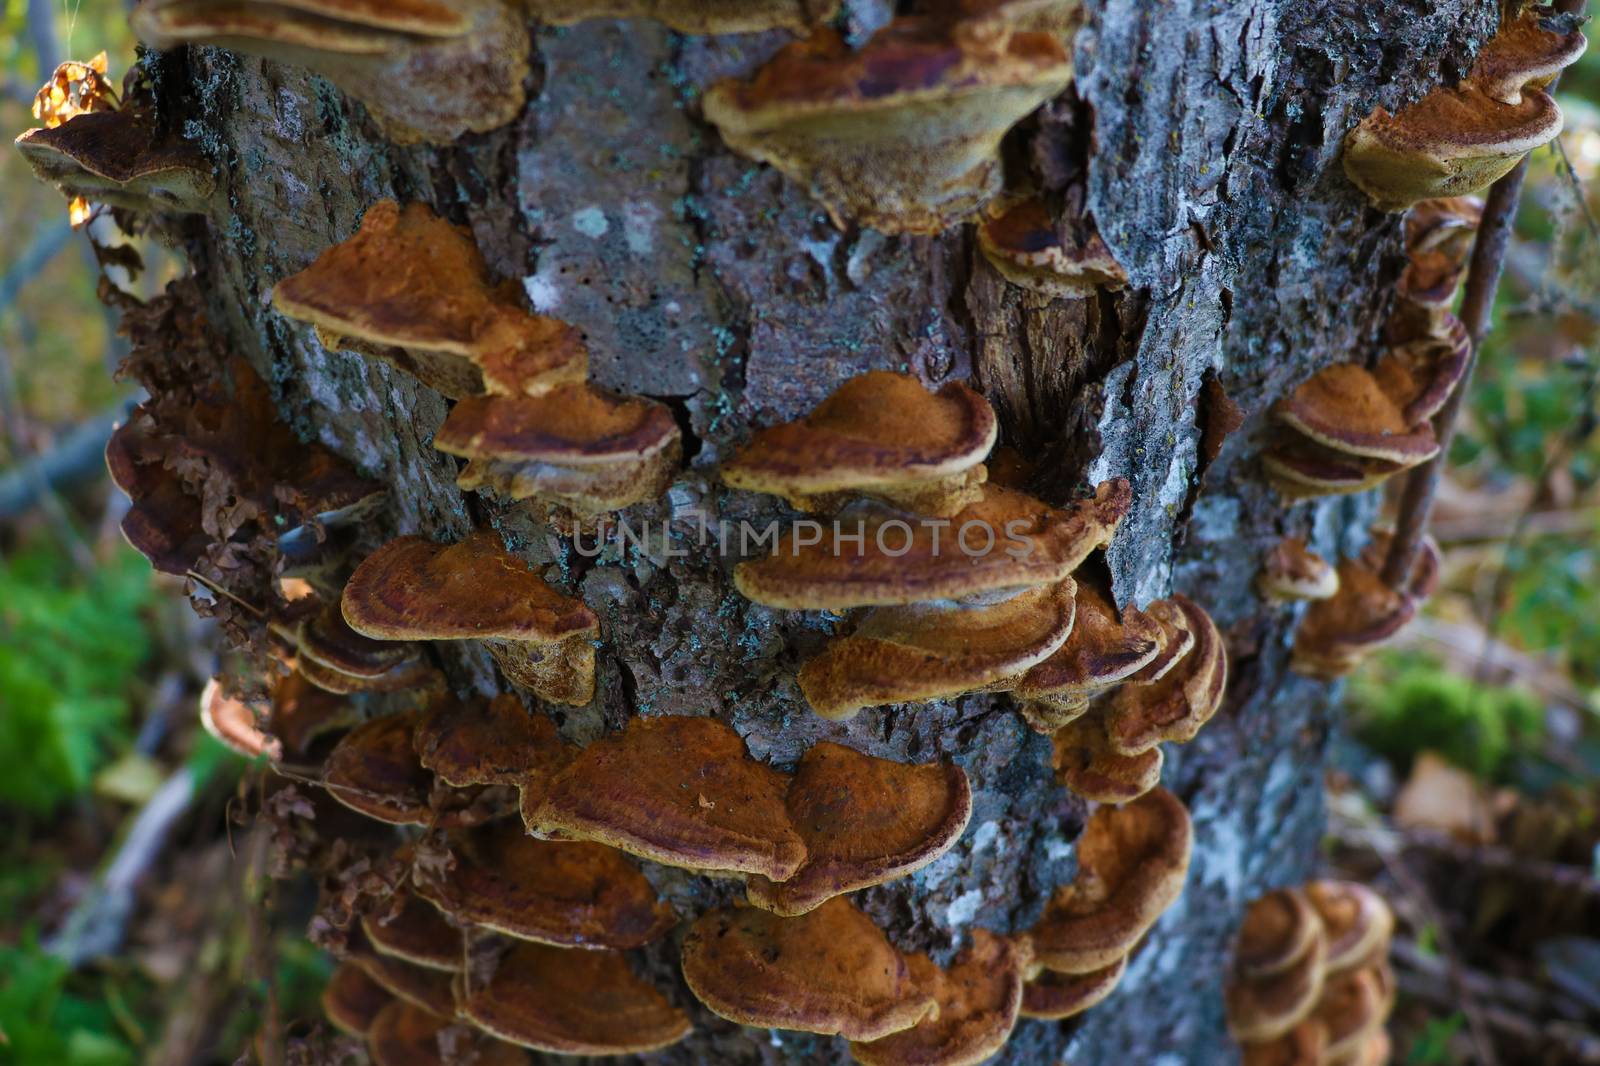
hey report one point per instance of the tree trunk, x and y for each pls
(1208, 136)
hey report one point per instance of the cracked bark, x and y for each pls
(1204, 141)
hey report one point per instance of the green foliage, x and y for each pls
(46, 1018)
(1432, 1045)
(70, 649)
(1410, 704)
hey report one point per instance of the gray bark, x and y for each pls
(1210, 133)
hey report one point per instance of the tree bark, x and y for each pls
(1207, 136)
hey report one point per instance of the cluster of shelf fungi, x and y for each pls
(520, 891)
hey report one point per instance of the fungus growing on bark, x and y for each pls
(678, 790)
(414, 589)
(863, 821)
(405, 1035)
(1279, 971)
(118, 158)
(565, 893)
(1300, 469)
(1173, 706)
(1036, 252)
(829, 971)
(1033, 544)
(880, 435)
(337, 658)
(1293, 572)
(1358, 922)
(693, 16)
(1439, 238)
(1132, 862)
(925, 652)
(303, 714)
(421, 987)
(164, 523)
(902, 135)
(578, 450)
(1345, 408)
(1278, 930)
(571, 1003)
(406, 928)
(1336, 634)
(1461, 140)
(1352, 1007)
(234, 723)
(428, 70)
(470, 742)
(1304, 1045)
(351, 1000)
(1058, 996)
(1086, 763)
(1420, 375)
(374, 770)
(978, 999)
(1102, 651)
(412, 290)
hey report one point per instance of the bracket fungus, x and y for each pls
(336, 658)
(577, 450)
(427, 70)
(1102, 651)
(373, 770)
(411, 289)
(880, 435)
(922, 652)
(1358, 921)
(1173, 705)
(571, 1003)
(1463, 139)
(693, 16)
(563, 893)
(119, 158)
(1266, 1005)
(1042, 545)
(406, 928)
(902, 135)
(1336, 634)
(403, 1034)
(1086, 763)
(1292, 572)
(678, 790)
(1439, 238)
(419, 986)
(1058, 996)
(863, 821)
(470, 742)
(1060, 259)
(234, 723)
(1052, 16)
(351, 1000)
(829, 971)
(978, 999)
(1132, 863)
(414, 589)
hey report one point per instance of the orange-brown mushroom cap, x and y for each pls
(114, 157)
(408, 929)
(924, 652)
(303, 714)
(1132, 862)
(978, 1000)
(1421, 374)
(678, 790)
(374, 770)
(1266, 1007)
(864, 821)
(573, 425)
(1277, 931)
(897, 562)
(1344, 407)
(879, 434)
(572, 1003)
(1524, 54)
(1301, 469)
(1294, 572)
(1102, 650)
(1358, 921)
(1352, 1007)
(416, 985)
(828, 971)
(1337, 633)
(351, 1000)
(1030, 250)
(1175, 707)
(359, 663)
(499, 742)
(1057, 996)
(405, 1035)
(1304, 1045)
(692, 16)
(1086, 763)
(233, 723)
(565, 893)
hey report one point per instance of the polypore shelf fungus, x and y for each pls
(119, 157)
(427, 70)
(403, 1034)
(1057, 258)
(1462, 139)
(902, 135)
(880, 435)
(414, 589)
(412, 290)
(1338, 633)
(1310, 980)
(1292, 572)
(693, 16)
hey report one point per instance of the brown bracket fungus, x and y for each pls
(1439, 238)
(1050, 16)
(1336, 634)
(579, 451)
(978, 999)
(374, 770)
(880, 435)
(1462, 140)
(1279, 967)
(903, 135)
(428, 70)
(863, 821)
(563, 893)
(677, 790)
(234, 724)
(406, 928)
(414, 589)
(412, 290)
(351, 1000)
(1352, 1008)
(1102, 651)
(1358, 922)
(1304, 1045)
(335, 657)
(1056, 997)
(1036, 252)
(1132, 862)
(1086, 763)
(118, 158)
(304, 716)
(1173, 706)
(1034, 544)
(469, 742)
(923, 652)
(692, 16)
(571, 1003)
(425, 988)
(1344, 407)
(1292, 572)
(405, 1035)
(829, 971)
